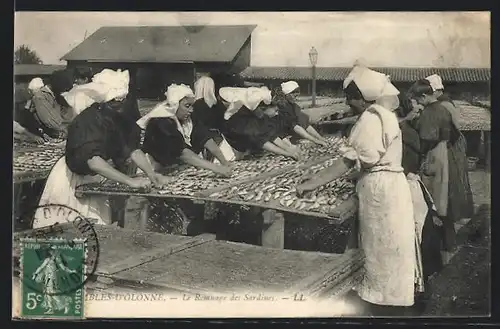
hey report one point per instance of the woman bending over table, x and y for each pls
(171, 135)
(249, 126)
(99, 139)
(290, 117)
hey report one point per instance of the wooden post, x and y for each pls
(136, 213)
(273, 229)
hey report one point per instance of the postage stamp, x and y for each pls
(53, 275)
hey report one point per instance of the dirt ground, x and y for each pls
(463, 287)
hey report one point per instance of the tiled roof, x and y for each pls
(340, 73)
(163, 44)
(35, 69)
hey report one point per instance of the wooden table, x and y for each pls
(273, 228)
(201, 264)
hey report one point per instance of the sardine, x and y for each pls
(277, 195)
(259, 196)
(267, 197)
(249, 196)
(288, 203)
(332, 200)
(315, 206)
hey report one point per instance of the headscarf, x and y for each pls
(36, 84)
(204, 88)
(437, 86)
(375, 86)
(288, 87)
(105, 86)
(436, 82)
(168, 109)
(249, 97)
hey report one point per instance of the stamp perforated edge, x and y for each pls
(21, 271)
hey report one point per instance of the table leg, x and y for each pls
(273, 229)
(136, 213)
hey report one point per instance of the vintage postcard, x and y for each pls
(251, 164)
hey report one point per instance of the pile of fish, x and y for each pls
(280, 190)
(112, 186)
(53, 143)
(36, 160)
(309, 150)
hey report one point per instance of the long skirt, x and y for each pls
(460, 201)
(60, 189)
(387, 238)
(428, 245)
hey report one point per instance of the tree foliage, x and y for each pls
(25, 55)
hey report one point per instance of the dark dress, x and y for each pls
(411, 148)
(290, 115)
(431, 240)
(210, 117)
(245, 131)
(100, 131)
(165, 143)
(435, 124)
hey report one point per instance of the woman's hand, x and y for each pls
(162, 181)
(224, 171)
(38, 140)
(322, 143)
(139, 182)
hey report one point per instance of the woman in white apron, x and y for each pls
(97, 137)
(171, 135)
(386, 219)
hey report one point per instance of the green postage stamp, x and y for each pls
(52, 278)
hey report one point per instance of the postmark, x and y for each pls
(66, 224)
(53, 272)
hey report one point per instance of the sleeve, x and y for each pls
(87, 138)
(410, 137)
(47, 111)
(261, 132)
(130, 138)
(200, 135)
(435, 124)
(302, 118)
(163, 141)
(366, 141)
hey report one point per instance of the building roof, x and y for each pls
(340, 73)
(35, 69)
(164, 44)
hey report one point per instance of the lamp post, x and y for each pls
(313, 57)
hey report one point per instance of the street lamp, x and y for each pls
(313, 57)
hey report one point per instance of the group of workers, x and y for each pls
(410, 162)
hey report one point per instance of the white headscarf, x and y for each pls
(105, 86)
(289, 86)
(375, 86)
(36, 84)
(436, 82)
(168, 109)
(249, 97)
(204, 88)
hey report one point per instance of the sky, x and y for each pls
(397, 39)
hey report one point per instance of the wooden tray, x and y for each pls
(202, 265)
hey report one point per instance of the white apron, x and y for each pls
(420, 210)
(386, 220)
(60, 189)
